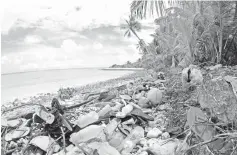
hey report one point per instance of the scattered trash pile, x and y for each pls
(136, 118)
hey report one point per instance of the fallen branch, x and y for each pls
(80, 104)
(28, 104)
(64, 141)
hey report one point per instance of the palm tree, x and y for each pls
(141, 8)
(132, 26)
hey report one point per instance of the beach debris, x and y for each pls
(105, 111)
(66, 93)
(129, 122)
(130, 90)
(161, 75)
(87, 119)
(103, 148)
(65, 122)
(17, 133)
(154, 96)
(165, 136)
(132, 139)
(12, 123)
(154, 133)
(116, 139)
(144, 102)
(70, 150)
(45, 143)
(233, 81)
(110, 128)
(191, 76)
(125, 97)
(88, 133)
(214, 67)
(141, 114)
(125, 111)
(161, 148)
(45, 115)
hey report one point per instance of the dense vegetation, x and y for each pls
(198, 32)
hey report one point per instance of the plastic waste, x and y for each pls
(88, 133)
(45, 143)
(125, 111)
(87, 119)
(104, 111)
(154, 133)
(132, 139)
(45, 115)
(17, 133)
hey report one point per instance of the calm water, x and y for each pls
(21, 85)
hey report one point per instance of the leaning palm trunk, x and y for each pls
(141, 42)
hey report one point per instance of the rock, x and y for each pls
(152, 141)
(154, 133)
(88, 133)
(174, 130)
(165, 135)
(45, 143)
(87, 119)
(168, 148)
(143, 102)
(165, 107)
(143, 142)
(154, 96)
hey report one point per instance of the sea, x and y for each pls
(26, 84)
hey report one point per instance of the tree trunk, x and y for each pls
(221, 33)
(144, 46)
(136, 34)
(235, 16)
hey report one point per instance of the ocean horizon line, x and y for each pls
(51, 70)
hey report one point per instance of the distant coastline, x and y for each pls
(127, 69)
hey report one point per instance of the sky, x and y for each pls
(38, 35)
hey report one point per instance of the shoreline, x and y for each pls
(125, 69)
(78, 92)
(38, 85)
